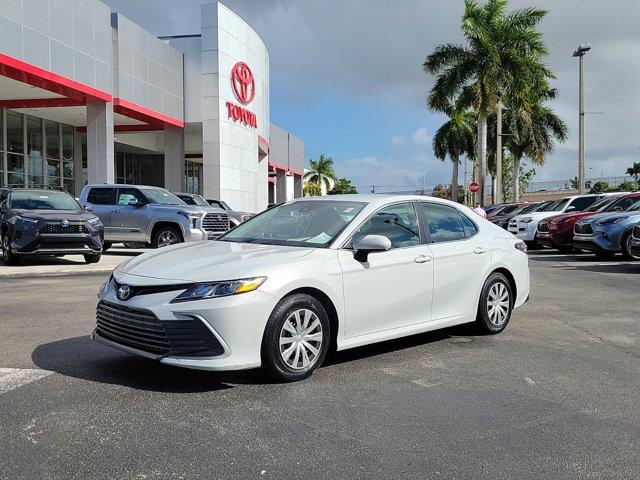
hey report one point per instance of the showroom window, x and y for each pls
(15, 149)
(399, 223)
(2, 159)
(35, 155)
(443, 222)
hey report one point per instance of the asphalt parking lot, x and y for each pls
(554, 396)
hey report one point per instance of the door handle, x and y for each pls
(479, 250)
(423, 258)
(115, 211)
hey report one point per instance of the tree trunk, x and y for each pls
(516, 179)
(482, 157)
(498, 177)
(454, 177)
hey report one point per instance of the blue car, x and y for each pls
(608, 233)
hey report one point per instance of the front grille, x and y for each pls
(141, 329)
(57, 229)
(215, 222)
(583, 229)
(543, 227)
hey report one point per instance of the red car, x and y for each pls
(557, 231)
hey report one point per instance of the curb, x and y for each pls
(57, 273)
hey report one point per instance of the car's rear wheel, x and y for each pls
(296, 338)
(626, 247)
(166, 236)
(92, 258)
(496, 304)
(8, 257)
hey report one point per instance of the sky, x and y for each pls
(346, 77)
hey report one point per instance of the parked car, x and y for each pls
(46, 222)
(150, 215)
(608, 233)
(503, 220)
(347, 270)
(557, 231)
(525, 227)
(503, 210)
(236, 217)
(634, 246)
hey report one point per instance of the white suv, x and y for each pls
(525, 226)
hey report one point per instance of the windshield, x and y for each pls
(634, 207)
(187, 199)
(314, 223)
(199, 199)
(160, 196)
(43, 201)
(541, 207)
(602, 204)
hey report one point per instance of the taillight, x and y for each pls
(520, 245)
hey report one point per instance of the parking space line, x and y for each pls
(12, 378)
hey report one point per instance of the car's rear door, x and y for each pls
(391, 289)
(127, 220)
(461, 259)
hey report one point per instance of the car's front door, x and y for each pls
(127, 220)
(102, 201)
(391, 289)
(461, 259)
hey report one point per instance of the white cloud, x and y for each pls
(421, 136)
(398, 140)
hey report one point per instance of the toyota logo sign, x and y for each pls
(244, 85)
(124, 292)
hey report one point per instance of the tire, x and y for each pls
(625, 243)
(295, 310)
(492, 320)
(106, 246)
(604, 254)
(8, 257)
(92, 258)
(165, 236)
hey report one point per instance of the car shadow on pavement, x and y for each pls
(631, 267)
(82, 358)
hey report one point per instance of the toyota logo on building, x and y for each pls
(244, 85)
(124, 292)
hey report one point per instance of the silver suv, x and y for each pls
(150, 215)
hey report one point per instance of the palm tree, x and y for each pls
(321, 172)
(501, 59)
(634, 171)
(533, 135)
(455, 137)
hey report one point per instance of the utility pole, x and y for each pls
(580, 52)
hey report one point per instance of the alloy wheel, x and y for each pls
(5, 249)
(167, 238)
(498, 304)
(629, 252)
(301, 339)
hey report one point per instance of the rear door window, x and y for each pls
(101, 196)
(443, 223)
(581, 203)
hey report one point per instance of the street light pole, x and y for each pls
(580, 52)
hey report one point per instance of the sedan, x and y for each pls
(282, 289)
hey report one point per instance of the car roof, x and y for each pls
(121, 185)
(377, 199)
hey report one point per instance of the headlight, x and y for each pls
(201, 291)
(104, 287)
(27, 220)
(526, 219)
(244, 218)
(94, 222)
(609, 221)
(192, 218)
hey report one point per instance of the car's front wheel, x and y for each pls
(166, 236)
(496, 304)
(8, 257)
(296, 338)
(92, 258)
(626, 247)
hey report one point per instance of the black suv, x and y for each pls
(47, 222)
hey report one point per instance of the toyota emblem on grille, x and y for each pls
(219, 218)
(64, 223)
(124, 292)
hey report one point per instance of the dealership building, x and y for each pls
(88, 96)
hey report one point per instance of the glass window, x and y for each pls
(1, 136)
(52, 167)
(583, 202)
(125, 195)
(101, 196)
(45, 200)
(67, 142)
(307, 223)
(34, 136)
(160, 196)
(15, 163)
(53, 181)
(15, 133)
(53, 139)
(470, 228)
(36, 181)
(187, 199)
(443, 222)
(69, 185)
(68, 169)
(399, 223)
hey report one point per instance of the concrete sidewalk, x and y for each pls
(68, 265)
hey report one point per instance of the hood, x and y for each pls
(604, 216)
(535, 215)
(568, 217)
(208, 261)
(53, 215)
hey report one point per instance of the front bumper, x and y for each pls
(25, 242)
(236, 323)
(197, 235)
(524, 231)
(555, 238)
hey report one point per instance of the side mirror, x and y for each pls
(88, 207)
(371, 244)
(133, 202)
(571, 209)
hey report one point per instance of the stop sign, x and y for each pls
(474, 187)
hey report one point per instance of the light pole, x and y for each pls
(580, 52)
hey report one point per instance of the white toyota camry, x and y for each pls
(281, 289)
